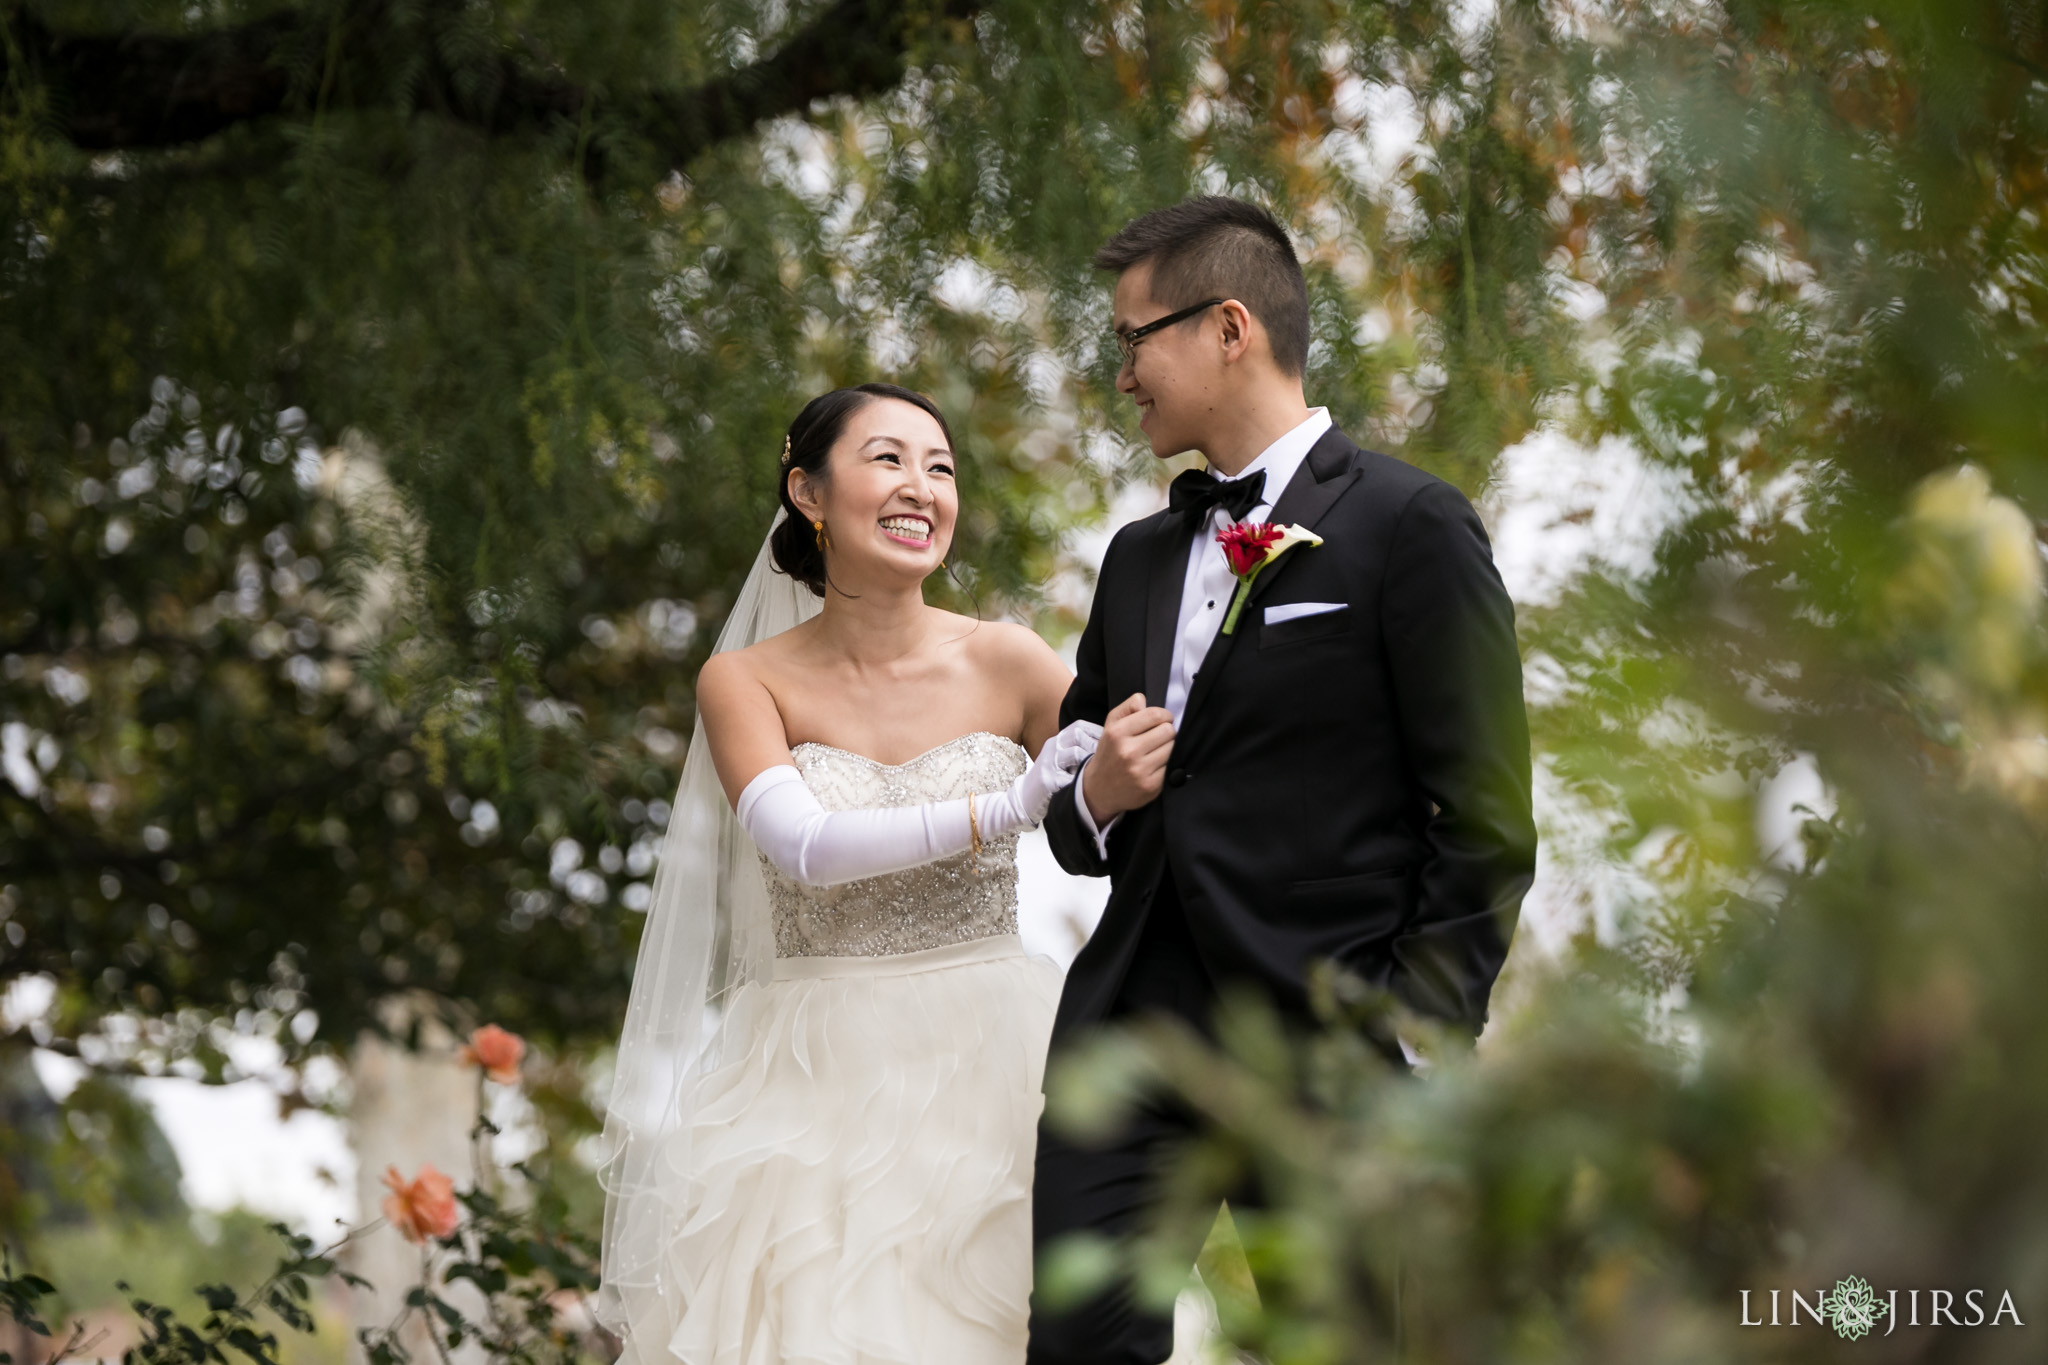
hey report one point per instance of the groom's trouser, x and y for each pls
(1105, 1188)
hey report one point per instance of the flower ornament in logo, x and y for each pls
(1250, 547)
(1852, 1308)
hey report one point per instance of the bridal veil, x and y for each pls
(707, 934)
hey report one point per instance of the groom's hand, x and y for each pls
(1129, 766)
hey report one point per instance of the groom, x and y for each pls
(1344, 775)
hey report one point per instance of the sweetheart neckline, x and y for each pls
(914, 758)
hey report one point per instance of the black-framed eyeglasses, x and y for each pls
(1127, 342)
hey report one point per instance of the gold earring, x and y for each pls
(818, 534)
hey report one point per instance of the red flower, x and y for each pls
(422, 1208)
(1244, 544)
(1251, 548)
(497, 1052)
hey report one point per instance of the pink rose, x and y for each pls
(423, 1208)
(497, 1052)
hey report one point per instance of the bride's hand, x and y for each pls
(1072, 747)
(1054, 768)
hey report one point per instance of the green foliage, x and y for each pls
(97, 1154)
(228, 1323)
(23, 1295)
(161, 1261)
(1816, 236)
(216, 737)
(516, 1243)
(1849, 1087)
(525, 1263)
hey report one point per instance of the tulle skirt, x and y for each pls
(859, 1186)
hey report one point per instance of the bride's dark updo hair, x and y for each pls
(794, 546)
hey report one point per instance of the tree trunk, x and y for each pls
(408, 1109)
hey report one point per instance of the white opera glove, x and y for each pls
(1072, 747)
(1030, 796)
(823, 848)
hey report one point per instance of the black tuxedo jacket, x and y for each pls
(1351, 785)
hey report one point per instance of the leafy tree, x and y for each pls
(295, 730)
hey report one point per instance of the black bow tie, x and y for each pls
(1195, 491)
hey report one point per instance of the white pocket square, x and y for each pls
(1288, 611)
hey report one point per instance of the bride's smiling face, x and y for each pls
(888, 500)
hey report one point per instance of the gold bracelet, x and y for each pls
(973, 838)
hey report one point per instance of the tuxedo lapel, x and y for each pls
(1314, 489)
(1166, 580)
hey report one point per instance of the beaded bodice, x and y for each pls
(923, 907)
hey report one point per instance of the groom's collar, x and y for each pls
(1279, 460)
(1320, 479)
(1331, 455)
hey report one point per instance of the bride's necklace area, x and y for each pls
(872, 696)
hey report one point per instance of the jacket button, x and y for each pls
(1176, 777)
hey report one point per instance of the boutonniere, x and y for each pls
(1250, 547)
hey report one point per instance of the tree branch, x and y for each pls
(855, 48)
(142, 91)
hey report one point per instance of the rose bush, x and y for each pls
(515, 1245)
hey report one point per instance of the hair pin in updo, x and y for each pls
(785, 450)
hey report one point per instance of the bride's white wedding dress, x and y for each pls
(858, 1179)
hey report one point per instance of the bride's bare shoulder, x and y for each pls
(725, 678)
(1008, 651)
(733, 673)
(757, 660)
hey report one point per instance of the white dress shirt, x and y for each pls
(1206, 591)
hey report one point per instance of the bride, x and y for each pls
(820, 1140)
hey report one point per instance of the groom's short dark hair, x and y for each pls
(1213, 246)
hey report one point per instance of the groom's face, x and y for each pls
(1174, 376)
